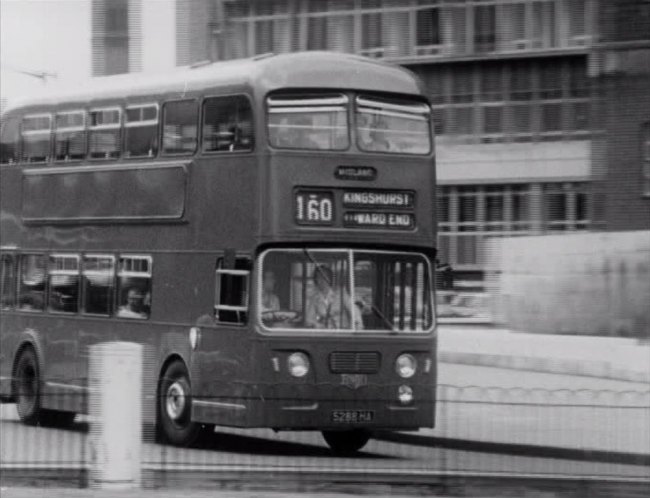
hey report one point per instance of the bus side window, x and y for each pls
(104, 126)
(98, 284)
(64, 283)
(36, 137)
(70, 136)
(141, 131)
(231, 292)
(227, 124)
(8, 282)
(9, 140)
(134, 287)
(180, 127)
(31, 292)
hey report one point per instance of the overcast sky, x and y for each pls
(43, 35)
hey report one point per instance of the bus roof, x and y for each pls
(263, 74)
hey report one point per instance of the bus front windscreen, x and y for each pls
(345, 290)
(393, 126)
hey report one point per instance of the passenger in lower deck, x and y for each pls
(135, 305)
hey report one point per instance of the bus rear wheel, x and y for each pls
(27, 389)
(346, 442)
(175, 424)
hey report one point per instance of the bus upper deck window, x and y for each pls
(104, 133)
(70, 136)
(227, 124)
(392, 126)
(141, 131)
(31, 291)
(36, 137)
(9, 140)
(134, 287)
(180, 127)
(315, 122)
(64, 283)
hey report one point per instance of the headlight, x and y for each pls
(298, 364)
(405, 366)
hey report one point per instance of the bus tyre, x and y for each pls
(175, 424)
(346, 442)
(27, 389)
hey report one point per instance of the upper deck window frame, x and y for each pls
(71, 129)
(30, 133)
(203, 113)
(109, 126)
(307, 103)
(391, 107)
(141, 123)
(197, 105)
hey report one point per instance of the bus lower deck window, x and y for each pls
(31, 291)
(231, 293)
(8, 282)
(98, 284)
(134, 287)
(64, 283)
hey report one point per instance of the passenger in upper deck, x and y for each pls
(329, 307)
(374, 138)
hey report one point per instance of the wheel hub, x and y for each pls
(175, 401)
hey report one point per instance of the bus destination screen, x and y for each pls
(378, 209)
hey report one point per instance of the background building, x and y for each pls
(541, 105)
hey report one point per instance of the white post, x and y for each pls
(115, 377)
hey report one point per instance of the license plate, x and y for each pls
(352, 416)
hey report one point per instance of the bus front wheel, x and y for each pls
(175, 407)
(346, 442)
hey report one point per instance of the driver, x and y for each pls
(271, 312)
(328, 307)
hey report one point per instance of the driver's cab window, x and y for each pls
(308, 290)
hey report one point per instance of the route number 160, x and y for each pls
(314, 208)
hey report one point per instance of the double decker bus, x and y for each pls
(264, 226)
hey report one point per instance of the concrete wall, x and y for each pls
(588, 283)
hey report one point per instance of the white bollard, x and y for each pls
(115, 379)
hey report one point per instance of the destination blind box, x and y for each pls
(378, 209)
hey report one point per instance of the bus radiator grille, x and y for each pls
(354, 362)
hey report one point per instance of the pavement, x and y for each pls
(604, 357)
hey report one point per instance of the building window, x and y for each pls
(141, 131)
(180, 127)
(9, 140)
(484, 28)
(98, 284)
(64, 283)
(70, 136)
(31, 290)
(565, 207)
(428, 38)
(104, 133)
(134, 287)
(227, 124)
(36, 137)
(645, 157)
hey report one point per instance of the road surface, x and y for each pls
(498, 421)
